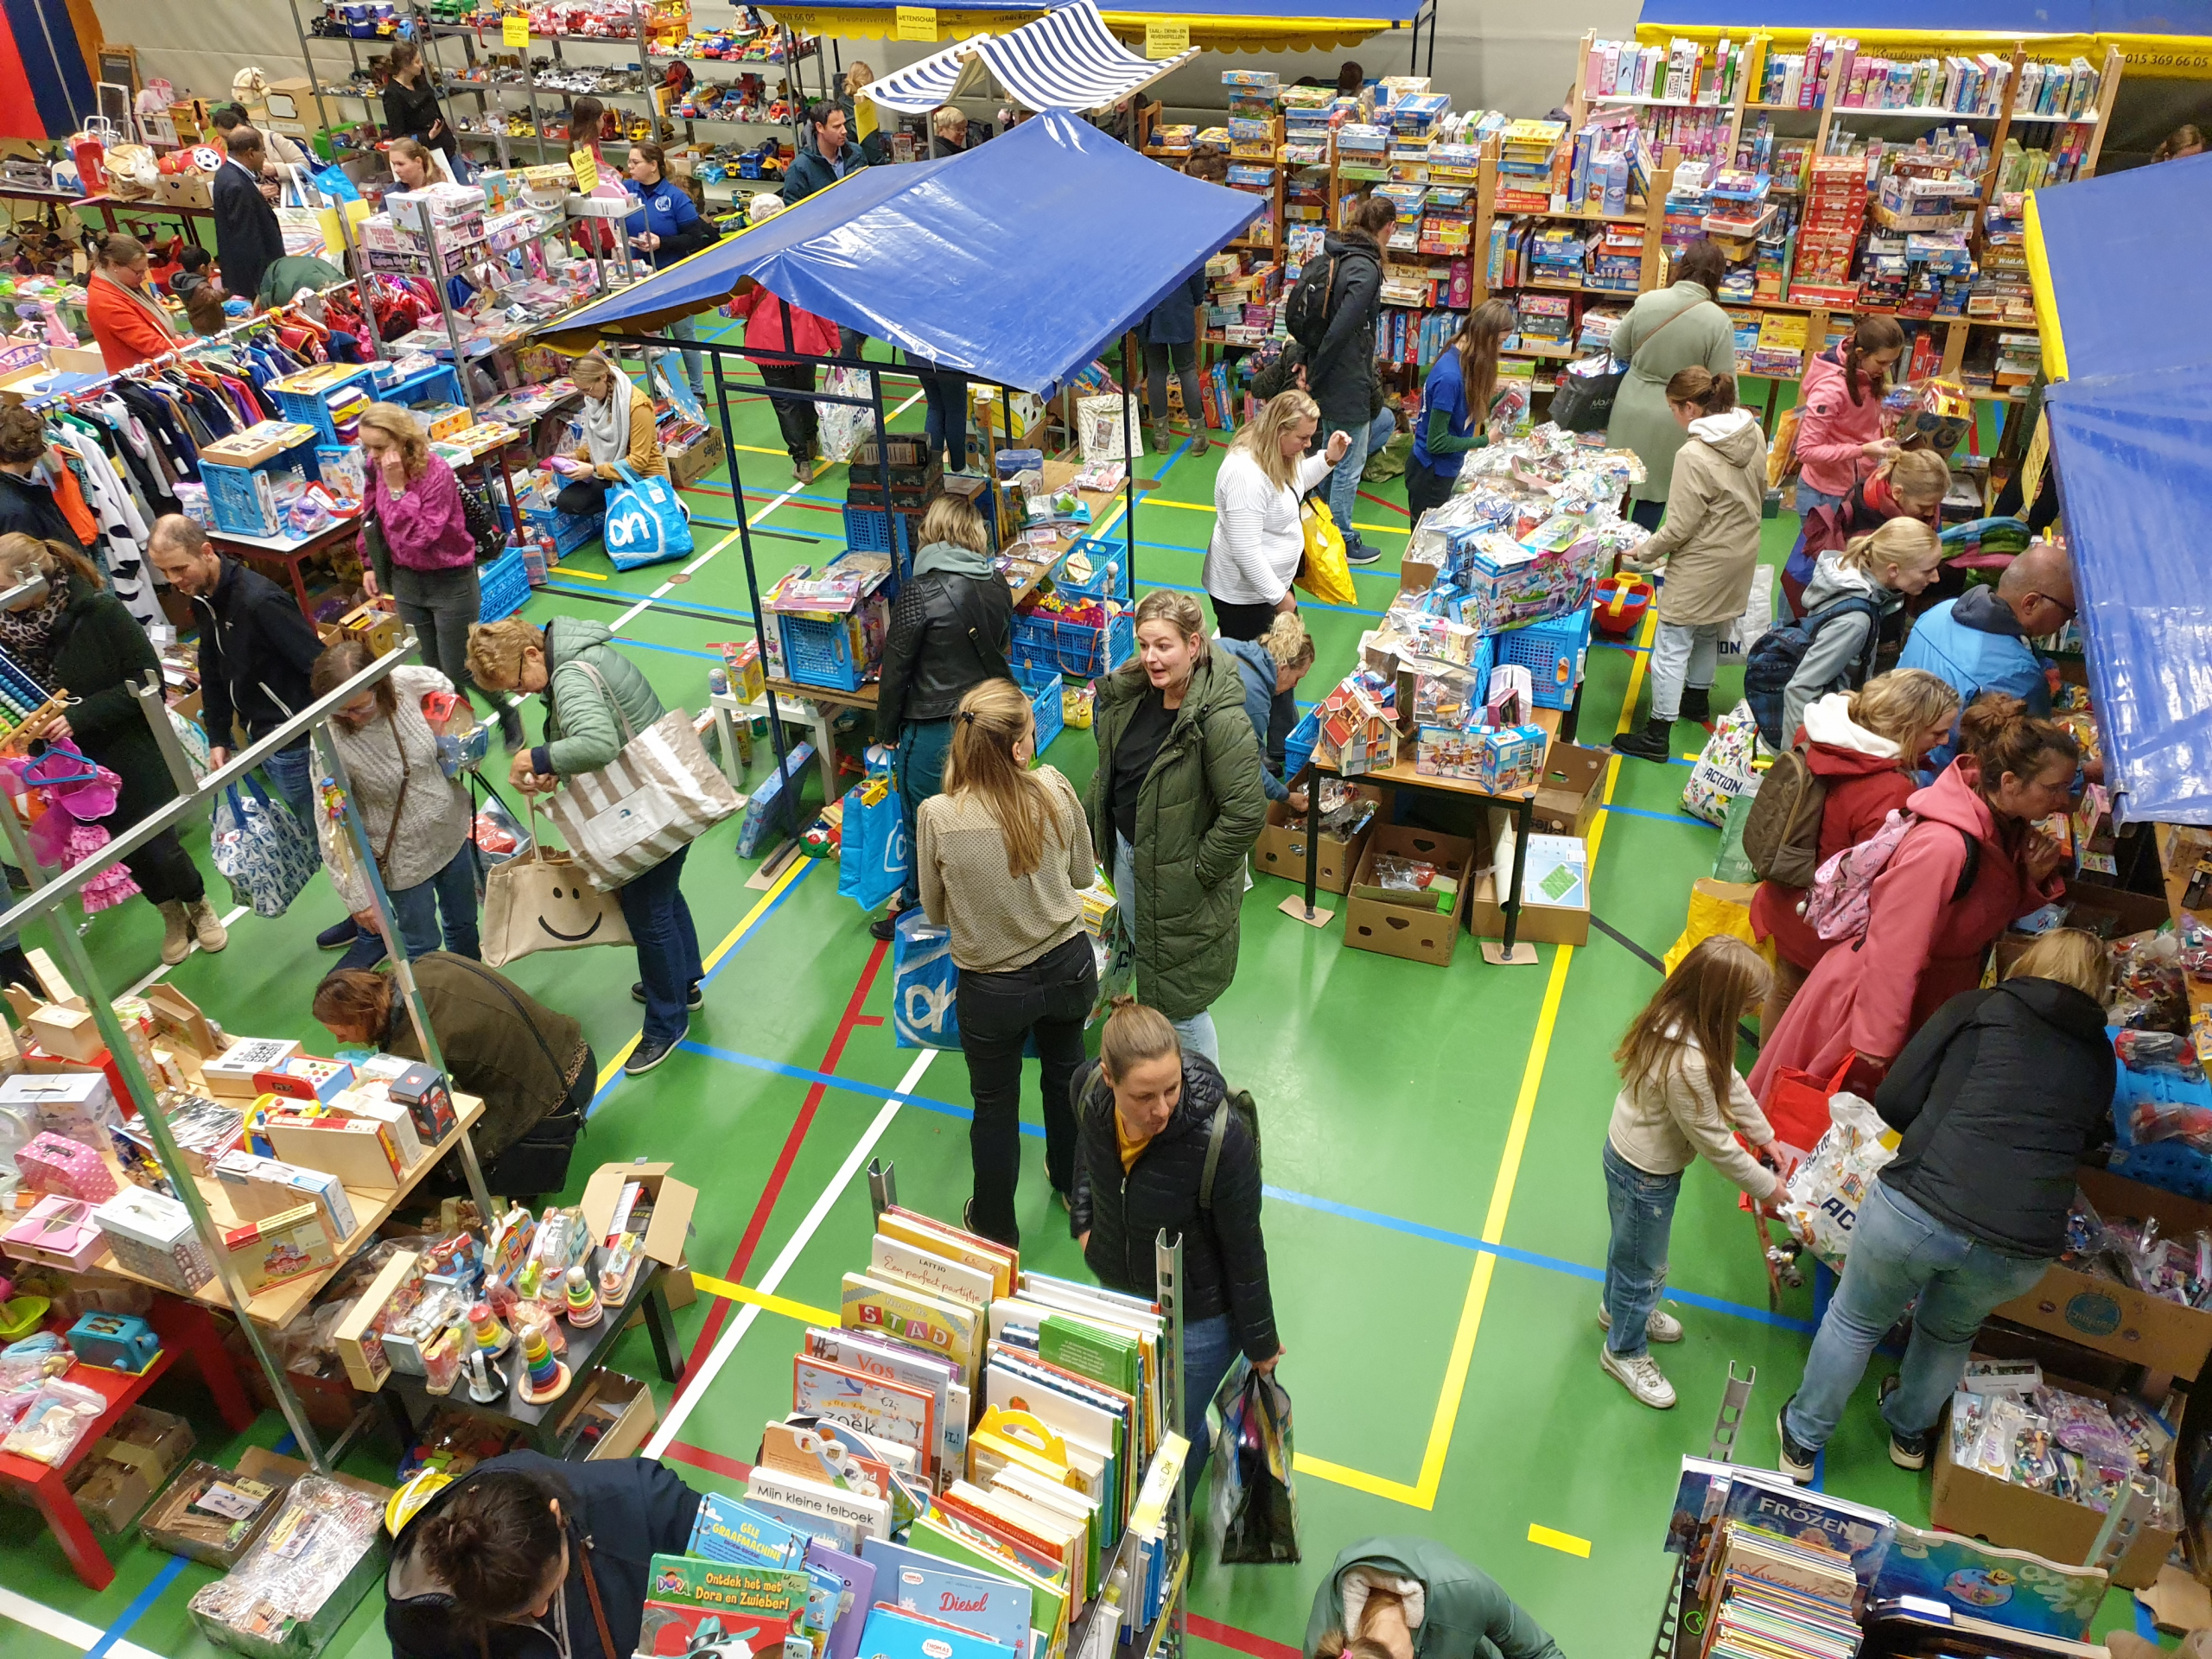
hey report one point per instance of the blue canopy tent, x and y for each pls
(2130, 420)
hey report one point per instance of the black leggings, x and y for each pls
(1183, 359)
(1241, 621)
(1426, 487)
(164, 871)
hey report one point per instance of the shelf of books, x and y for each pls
(979, 1463)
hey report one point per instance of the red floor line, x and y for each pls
(1228, 1636)
(804, 1120)
(1380, 502)
(713, 1462)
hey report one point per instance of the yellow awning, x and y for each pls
(1216, 33)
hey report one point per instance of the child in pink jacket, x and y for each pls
(1840, 425)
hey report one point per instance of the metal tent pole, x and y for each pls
(882, 1186)
(903, 566)
(1129, 476)
(1167, 1271)
(788, 786)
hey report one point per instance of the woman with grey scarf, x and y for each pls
(618, 428)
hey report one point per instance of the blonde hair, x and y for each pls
(1902, 544)
(1920, 477)
(856, 77)
(954, 519)
(495, 651)
(595, 361)
(1179, 611)
(24, 557)
(397, 423)
(994, 716)
(1702, 999)
(1288, 644)
(412, 150)
(1133, 1034)
(1902, 704)
(948, 118)
(1262, 436)
(2072, 958)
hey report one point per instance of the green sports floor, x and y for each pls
(1435, 1213)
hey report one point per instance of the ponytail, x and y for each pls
(1873, 335)
(1714, 393)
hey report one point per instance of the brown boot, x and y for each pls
(207, 927)
(176, 932)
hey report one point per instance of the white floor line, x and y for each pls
(696, 1388)
(61, 1627)
(139, 989)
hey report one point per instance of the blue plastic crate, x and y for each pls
(569, 531)
(1553, 651)
(504, 585)
(1298, 747)
(865, 530)
(1077, 648)
(820, 653)
(234, 501)
(1110, 571)
(313, 408)
(1046, 690)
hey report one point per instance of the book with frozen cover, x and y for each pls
(928, 1323)
(858, 1575)
(894, 1633)
(2009, 1587)
(728, 1531)
(1766, 1499)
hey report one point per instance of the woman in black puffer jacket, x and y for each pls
(1150, 1118)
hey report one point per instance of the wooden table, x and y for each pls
(107, 206)
(1402, 775)
(184, 1329)
(292, 554)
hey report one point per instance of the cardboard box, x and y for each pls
(360, 1348)
(1540, 924)
(618, 1409)
(357, 1152)
(1399, 930)
(2116, 1318)
(687, 466)
(188, 189)
(278, 1249)
(1567, 795)
(2111, 912)
(1282, 848)
(2019, 1517)
(69, 1033)
(673, 1201)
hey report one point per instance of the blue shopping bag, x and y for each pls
(924, 985)
(646, 523)
(873, 857)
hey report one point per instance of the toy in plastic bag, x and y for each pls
(844, 427)
(2159, 1120)
(1724, 767)
(1827, 1189)
(2147, 990)
(54, 1417)
(1255, 1503)
(2158, 1052)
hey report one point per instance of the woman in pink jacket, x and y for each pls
(416, 546)
(1839, 428)
(1971, 865)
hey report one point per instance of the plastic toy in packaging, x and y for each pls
(46, 1421)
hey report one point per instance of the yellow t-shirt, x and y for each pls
(1129, 1149)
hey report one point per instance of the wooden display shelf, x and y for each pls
(279, 1306)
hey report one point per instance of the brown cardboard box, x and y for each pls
(673, 1202)
(270, 1468)
(625, 1408)
(1568, 793)
(359, 1350)
(2116, 1318)
(2019, 1517)
(1540, 924)
(2111, 912)
(1372, 924)
(1282, 848)
(687, 466)
(277, 1250)
(355, 1155)
(191, 188)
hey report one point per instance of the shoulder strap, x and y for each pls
(1969, 870)
(1215, 1136)
(560, 1072)
(598, 1611)
(406, 781)
(629, 732)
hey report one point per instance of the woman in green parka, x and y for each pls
(73, 635)
(1412, 1599)
(1178, 796)
(1665, 331)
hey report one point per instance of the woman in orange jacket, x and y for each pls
(128, 323)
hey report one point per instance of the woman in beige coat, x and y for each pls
(1709, 547)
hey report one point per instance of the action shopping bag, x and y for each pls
(1255, 1504)
(264, 853)
(1724, 766)
(539, 900)
(1324, 571)
(657, 796)
(924, 985)
(874, 858)
(1827, 1189)
(646, 522)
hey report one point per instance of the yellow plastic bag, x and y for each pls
(1325, 572)
(1715, 907)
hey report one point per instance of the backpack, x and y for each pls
(1774, 657)
(1306, 313)
(1238, 1102)
(1782, 833)
(1839, 906)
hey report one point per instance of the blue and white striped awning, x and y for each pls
(1067, 59)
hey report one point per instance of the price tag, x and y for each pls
(515, 31)
(585, 165)
(918, 23)
(1169, 40)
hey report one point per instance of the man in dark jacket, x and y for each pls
(1340, 370)
(256, 652)
(1143, 1142)
(827, 158)
(612, 1516)
(1998, 1098)
(248, 239)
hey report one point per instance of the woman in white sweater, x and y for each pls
(417, 819)
(1257, 539)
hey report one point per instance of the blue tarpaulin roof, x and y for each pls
(2117, 256)
(1016, 262)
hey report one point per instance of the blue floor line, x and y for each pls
(744, 617)
(1664, 818)
(137, 1609)
(672, 651)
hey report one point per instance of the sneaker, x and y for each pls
(1357, 552)
(1654, 743)
(1661, 1326)
(694, 1001)
(337, 936)
(1697, 703)
(1797, 1461)
(1906, 1450)
(648, 1054)
(1641, 1377)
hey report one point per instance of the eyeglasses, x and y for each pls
(2059, 605)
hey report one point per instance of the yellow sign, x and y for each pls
(1166, 40)
(918, 23)
(586, 166)
(515, 31)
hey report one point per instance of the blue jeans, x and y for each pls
(922, 744)
(1196, 1033)
(291, 773)
(1899, 1252)
(1643, 1211)
(945, 425)
(694, 369)
(1343, 483)
(1797, 568)
(668, 946)
(450, 894)
(1209, 1350)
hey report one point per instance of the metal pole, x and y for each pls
(445, 311)
(154, 707)
(905, 567)
(1167, 1271)
(1129, 474)
(359, 266)
(882, 1186)
(790, 785)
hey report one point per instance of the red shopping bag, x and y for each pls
(1796, 1107)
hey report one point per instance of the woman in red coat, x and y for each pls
(1864, 746)
(128, 323)
(770, 325)
(1972, 865)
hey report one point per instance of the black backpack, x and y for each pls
(1773, 660)
(1082, 1089)
(1306, 313)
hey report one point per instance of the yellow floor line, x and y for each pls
(567, 575)
(1565, 1543)
(789, 1309)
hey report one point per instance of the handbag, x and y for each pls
(654, 798)
(1796, 1107)
(1583, 401)
(1325, 572)
(646, 522)
(484, 526)
(264, 852)
(537, 900)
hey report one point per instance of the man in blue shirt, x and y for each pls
(1979, 642)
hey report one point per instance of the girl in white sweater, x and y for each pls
(1677, 1067)
(1257, 539)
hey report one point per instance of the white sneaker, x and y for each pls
(1641, 1377)
(1661, 1326)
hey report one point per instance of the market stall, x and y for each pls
(1239, 26)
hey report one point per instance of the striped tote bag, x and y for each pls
(657, 796)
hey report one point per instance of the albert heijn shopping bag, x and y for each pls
(646, 521)
(873, 858)
(924, 985)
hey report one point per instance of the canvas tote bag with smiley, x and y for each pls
(542, 901)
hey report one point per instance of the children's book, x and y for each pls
(928, 1323)
(857, 1576)
(2009, 1587)
(894, 1361)
(997, 1608)
(845, 1517)
(1764, 1498)
(937, 1537)
(870, 1404)
(895, 1260)
(774, 1593)
(728, 1530)
(671, 1629)
(894, 1633)
(1002, 1262)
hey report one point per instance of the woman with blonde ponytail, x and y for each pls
(1001, 858)
(1851, 594)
